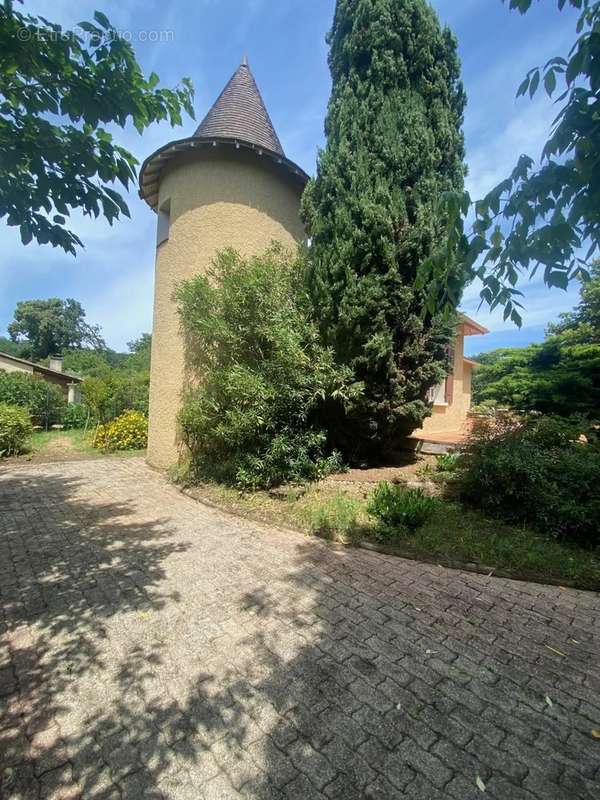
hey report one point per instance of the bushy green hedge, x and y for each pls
(261, 374)
(399, 509)
(541, 471)
(109, 395)
(15, 429)
(75, 416)
(45, 402)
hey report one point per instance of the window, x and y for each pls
(443, 393)
(437, 394)
(164, 222)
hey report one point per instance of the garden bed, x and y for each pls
(454, 536)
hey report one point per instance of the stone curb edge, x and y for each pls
(399, 552)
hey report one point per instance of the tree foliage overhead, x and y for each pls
(560, 376)
(542, 217)
(18, 349)
(394, 145)
(99, 363)
(58, 89)
(52, 326)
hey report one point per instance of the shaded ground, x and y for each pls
(408, 469)
(153, 647)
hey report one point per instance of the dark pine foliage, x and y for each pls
(394, 145)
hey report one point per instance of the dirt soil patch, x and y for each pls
(409, 469)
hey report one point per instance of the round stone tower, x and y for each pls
(228, 185)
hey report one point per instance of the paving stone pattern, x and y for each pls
(153, 647)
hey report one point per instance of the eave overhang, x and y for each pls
(153, 167)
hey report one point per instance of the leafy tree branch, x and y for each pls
(542, 217)
(58, 89)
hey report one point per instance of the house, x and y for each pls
(53, 373)
(229, 185)
(451, 400)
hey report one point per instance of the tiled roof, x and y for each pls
(43, 368)
(240, 113)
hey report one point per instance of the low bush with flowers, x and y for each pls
(126, 432)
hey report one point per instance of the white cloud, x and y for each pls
(494, 157)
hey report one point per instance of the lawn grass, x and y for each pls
(78, 441)
(453, 535)
(458, 534)
(62, 445)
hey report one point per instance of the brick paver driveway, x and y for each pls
(153, 647)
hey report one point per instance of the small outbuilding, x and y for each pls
(53, 373)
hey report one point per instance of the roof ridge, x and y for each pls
(239, 112)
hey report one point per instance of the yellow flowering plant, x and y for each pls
(129, 431)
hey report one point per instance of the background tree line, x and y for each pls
(560, 376)
(114, 382)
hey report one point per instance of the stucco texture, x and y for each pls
(217, 200)
(452, 417)
(8, 365)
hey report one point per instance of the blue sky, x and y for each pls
(285, 42)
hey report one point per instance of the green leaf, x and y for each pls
(523, 87)
(550, 82)
(574, 66)
(26, 233)
(103, 20)
(558, 279)
(535, 82)
(89, 28)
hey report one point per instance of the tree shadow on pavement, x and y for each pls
(291, 669)
(69, 563)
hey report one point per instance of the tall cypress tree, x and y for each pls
(394, 144)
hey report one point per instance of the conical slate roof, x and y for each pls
(240, 113)
(237, 121)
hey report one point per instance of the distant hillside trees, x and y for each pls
(49, 327)
(560, 376)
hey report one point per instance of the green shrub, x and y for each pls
(45, 402)
(15, 429)
(397, 508)
(127, 432)
(336, 517)
(262, 375)
(110, 395)
(542, 471)
(75, 416)
(447, 462)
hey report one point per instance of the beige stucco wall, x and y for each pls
(218, 200)
(12, 366)
(452, 417)
(61, 382)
